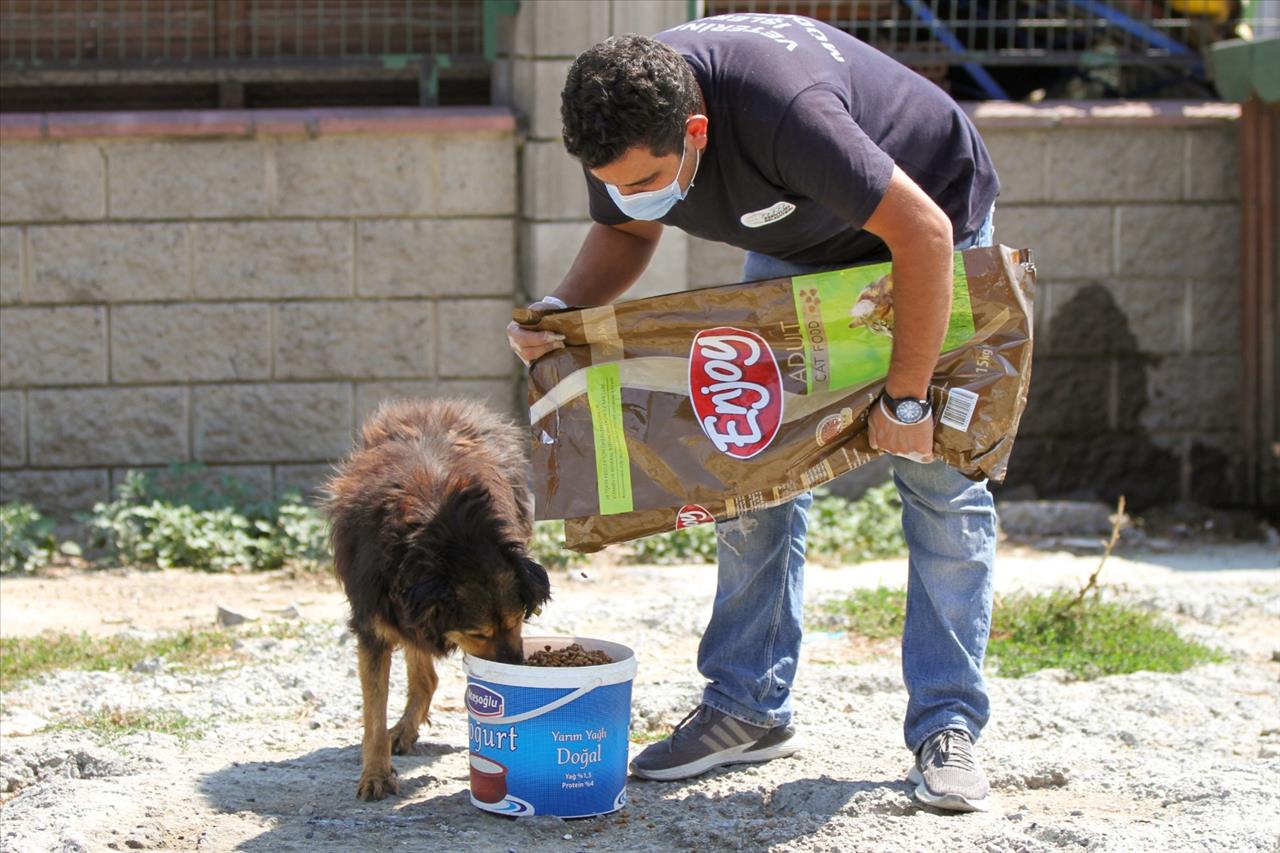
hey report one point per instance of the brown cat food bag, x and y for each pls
(698, 406)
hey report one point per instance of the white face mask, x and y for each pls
(655, 204)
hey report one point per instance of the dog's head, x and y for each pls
(463, 582)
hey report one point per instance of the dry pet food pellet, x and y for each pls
(570, 655)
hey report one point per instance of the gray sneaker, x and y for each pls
(946, 774)
(708, 738)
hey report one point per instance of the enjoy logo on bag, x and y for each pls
(690, 515)
(736, 390)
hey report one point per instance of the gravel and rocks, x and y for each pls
(1146, 761)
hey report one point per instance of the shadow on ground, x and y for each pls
(317, 789)
(308, 803)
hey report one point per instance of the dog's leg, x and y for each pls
(422, 685)
(377, 776)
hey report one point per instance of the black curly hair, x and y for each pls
(626, 91)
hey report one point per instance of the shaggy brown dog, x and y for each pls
(431, 525)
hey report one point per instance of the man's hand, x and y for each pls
(612, 257)
(910, 441)
(530, 344)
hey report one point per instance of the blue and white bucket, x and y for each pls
(550, 739)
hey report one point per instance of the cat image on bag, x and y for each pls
(874, 308)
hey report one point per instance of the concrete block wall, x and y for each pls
(240, 289)
(1132, 212)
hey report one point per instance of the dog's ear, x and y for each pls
(430, 590)
(424, 590)
(535, 587)
(464, 519)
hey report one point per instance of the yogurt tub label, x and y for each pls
(559, 750)
(488, 780)
(483, 702)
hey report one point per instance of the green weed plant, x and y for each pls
(114, 723)
(548, 547)
(22, 658)
(200, 526)
(841, 532)
(1088, 637)
(27, 540)
(184, 518)
(695, 544)
(876, 614)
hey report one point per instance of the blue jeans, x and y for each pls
(751, 646)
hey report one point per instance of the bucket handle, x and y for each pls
(550, 706)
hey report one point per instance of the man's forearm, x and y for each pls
(608, 263)
(922, 282)
(919, 237)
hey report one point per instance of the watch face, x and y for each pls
(908, 411)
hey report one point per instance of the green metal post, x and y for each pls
(428, 82)
(494, 9)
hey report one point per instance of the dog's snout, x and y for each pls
(511, 652)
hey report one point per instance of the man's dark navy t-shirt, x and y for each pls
(805, 125)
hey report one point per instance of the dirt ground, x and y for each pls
(1143, 761)
(102, 603)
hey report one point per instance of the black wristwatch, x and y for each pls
(907, 410)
